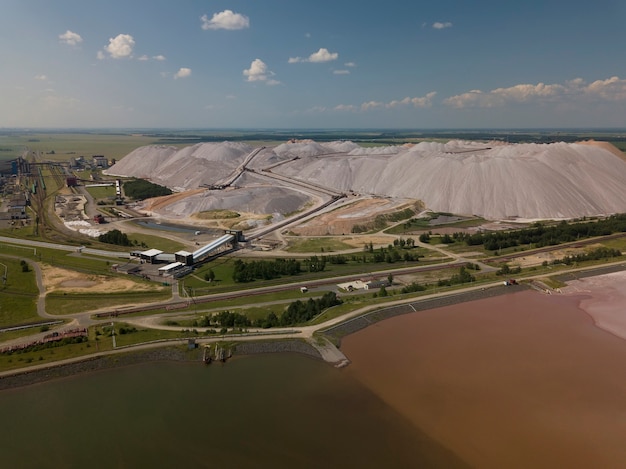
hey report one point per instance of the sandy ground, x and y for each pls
(517, 381)
(604, 300)
(158, 203)
(342, 220)
(56, 279)
(539, 258)
(607, 146)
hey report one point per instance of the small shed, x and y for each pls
(375, 284)
(169, 269)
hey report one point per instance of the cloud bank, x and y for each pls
(611, 89)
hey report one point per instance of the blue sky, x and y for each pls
(312, 64)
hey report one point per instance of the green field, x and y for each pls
(156, 242)
(68, 145)
(70, 303)
(18, 296)
(101, 192)
(322, 244)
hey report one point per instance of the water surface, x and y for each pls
(265, 411)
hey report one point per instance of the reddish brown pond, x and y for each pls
(521, 380)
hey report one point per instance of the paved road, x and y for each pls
(63, 247)
(85, 319)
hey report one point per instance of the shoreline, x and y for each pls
(25, 377)
(170, 353)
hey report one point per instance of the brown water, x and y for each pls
(521, 380)
(278, 411)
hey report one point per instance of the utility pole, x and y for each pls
(113, 334)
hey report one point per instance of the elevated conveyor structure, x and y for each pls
(191, 258)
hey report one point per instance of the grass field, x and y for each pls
(297, 245)
(100, 193)
(62, 303)
(223, 269)
(18, 296)
(156, 242)
(68, 145)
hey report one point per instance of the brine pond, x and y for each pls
(278, 410)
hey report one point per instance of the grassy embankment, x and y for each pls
(18, 295)
(100, 340)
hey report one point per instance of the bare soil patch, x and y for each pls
(159, 203)
(539, 258)
(342, 220)
(56, 279)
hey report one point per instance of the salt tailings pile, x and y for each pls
(493, 180)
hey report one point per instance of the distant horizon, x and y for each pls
(314, 129)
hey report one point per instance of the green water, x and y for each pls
(267, 411)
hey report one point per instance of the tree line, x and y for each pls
(297, 312)
(265, 270)
(593, 255)
(539, 235)
(141, 189)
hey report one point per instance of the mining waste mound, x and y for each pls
(495, 180)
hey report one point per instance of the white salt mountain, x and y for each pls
(493, 180)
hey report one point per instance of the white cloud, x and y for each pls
(41, 77)
(345, 107)
(611, 89)
(70, 38)
(519, 93)
(322, 55)
(341, 72)
(418, 102)
(120, 47)
(258, 71)
(226, 19)
(439, 25)
(350, 64)
(371, 105)
(145, 58)
(421, 102)
(182, 73)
